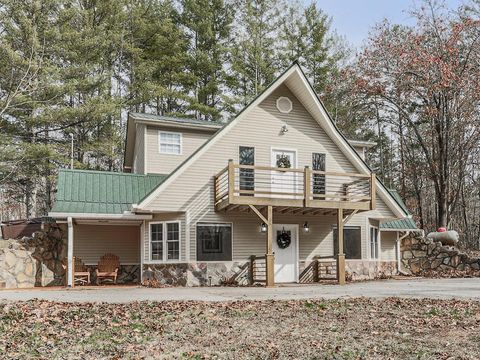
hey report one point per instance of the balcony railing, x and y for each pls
(264, 185)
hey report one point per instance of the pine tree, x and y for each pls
(208, 25)
(255, 51)
(156, 58)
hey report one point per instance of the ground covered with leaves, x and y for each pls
(350, 329)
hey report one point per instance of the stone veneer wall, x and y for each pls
(35, 261)
(195, 274)
(424, 257)
(356, 270)
(39, 261)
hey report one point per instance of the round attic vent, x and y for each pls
(284, 104)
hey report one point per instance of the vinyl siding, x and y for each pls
(139, 157)
(166, 163)
(180, 217)
(388, 245)
(192, 191)
(90, 242)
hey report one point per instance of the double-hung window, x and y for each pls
(170, 142)
(374, 242)
(165, 241)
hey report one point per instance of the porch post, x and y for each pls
(70, 252)
(341, 254)
(269, 256)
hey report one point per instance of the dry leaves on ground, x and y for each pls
(347, 329)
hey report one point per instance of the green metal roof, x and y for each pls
(101, 192)
(406, 223)
(401, 224)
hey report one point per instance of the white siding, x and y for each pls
(192, 191)
(90, 242)
(139, 151)
(166, 163)
(388, 245)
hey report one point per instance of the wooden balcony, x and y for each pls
(293, 190)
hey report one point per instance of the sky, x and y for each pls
(354, 18)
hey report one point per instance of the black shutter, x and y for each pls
(319, 183)
(246, 156)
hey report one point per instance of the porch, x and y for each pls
(90, 240)
(266, 191)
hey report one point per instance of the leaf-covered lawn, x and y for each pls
(351, 329)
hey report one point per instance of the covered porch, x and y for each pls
(108, 246)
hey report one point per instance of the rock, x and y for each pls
(419, 253)
(10, 259)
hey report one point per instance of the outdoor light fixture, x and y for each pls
(263, 228)
(284, 129)
(306, 227)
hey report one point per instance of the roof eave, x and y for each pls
(96, 216)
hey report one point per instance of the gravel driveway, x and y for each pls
(416, 288)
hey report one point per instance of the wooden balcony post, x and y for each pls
(373, 192)
(269, 256)
(316, 276)
(251, 269)
(340, 255)
(307, 186)
(231, 181)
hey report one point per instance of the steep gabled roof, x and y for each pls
(101, 192)
(296, 81)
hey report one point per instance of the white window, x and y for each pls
(170, 142)
(374, 243)
(165, 241)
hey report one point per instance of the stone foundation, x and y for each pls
(356, 270)
(195, 274)
(127, 274)
(424, 257)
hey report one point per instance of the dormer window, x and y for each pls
(170, 142)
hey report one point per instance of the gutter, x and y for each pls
(94, 216)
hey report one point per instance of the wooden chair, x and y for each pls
(80, 275)
(108, 268)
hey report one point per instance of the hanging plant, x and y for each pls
(284, 239)
(283, 162)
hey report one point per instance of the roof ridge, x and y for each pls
(177, 118)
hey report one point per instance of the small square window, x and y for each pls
(170, 143)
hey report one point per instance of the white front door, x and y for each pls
(286, 265)
(284, 181)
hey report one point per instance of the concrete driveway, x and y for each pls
(411, 288)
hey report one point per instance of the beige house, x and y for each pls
(258, 199)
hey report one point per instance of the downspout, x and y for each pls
(70, 252)
(399, 241)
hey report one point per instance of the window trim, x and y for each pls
(160, 142)
(370, 243)
(164, 241)
(196, 240)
